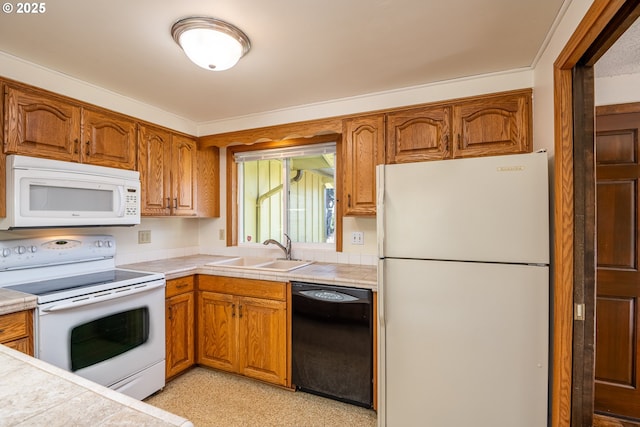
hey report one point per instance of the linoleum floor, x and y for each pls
(211, 398)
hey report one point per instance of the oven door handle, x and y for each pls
(115, 294)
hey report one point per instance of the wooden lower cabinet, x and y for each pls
(179, 325)
(16, 331)
(242, 327)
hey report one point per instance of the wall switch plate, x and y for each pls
(357, 238)
(144, 236)
(221, 234)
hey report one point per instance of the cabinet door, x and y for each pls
(493, 125)
(16, 331)
(154, 164)
(179, 333)
(108, 140)
(208, 183)
(217, 331)
(40, 125)
(184, 167)
(418, 135)
(363, 150)
(263, 339)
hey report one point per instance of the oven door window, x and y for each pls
(107, 337)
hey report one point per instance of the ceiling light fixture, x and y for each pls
(210, 43)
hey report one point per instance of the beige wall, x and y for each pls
(618, 89)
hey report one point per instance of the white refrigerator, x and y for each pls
(463, 292)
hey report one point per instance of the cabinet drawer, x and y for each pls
(243, 287)
(14, 325)
(179, 286)
(23, 345)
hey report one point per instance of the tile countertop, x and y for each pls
(12, 301)
(359, 276)
(35, 393)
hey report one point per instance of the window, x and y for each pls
(287, 190)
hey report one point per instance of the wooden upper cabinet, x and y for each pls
(154, 164)
(419, 134)
(491, 125)
(40, 125)
(184, 152)
(108, 139)
(363, 149)
(208, 182)
(168, 166)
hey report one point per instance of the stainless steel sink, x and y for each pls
(261, 263)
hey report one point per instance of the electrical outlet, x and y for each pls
(357, 238)
(221, 234)
(144, 236)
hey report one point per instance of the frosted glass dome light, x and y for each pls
(210, 43)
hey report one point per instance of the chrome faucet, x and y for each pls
(286, 248)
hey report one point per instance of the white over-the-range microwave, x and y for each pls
(43, 193)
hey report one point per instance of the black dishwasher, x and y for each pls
(332, 342)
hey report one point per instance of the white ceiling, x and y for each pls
(303, 51)
(623, 57)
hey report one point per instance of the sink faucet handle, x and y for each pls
(288, 245)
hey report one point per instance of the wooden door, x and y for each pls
(494, 124)
(263, 339)
(108, 140)
(617, 386)
(183, 176)
(40, 125)
(217, 331)
(363, 150)
(418, 135)
(179, 333)
(154, 164)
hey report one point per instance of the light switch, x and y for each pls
(357, 238)
(144, 236)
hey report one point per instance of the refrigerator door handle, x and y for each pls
(380, 209)
(381, 300)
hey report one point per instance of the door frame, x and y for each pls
(574, 263)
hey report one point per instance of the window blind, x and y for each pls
(287, 152)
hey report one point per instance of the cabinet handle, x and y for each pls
(240, 309)
(446, 143)
(170, 313)
(168, 202)
(88, 144)
(175, 203)
(348, 200)
(459, 142)
(182, 285)
(75, 146)
(233, 310)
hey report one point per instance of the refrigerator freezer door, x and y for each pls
(464, 344)
(492, 209)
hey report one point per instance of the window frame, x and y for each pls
(232, 180)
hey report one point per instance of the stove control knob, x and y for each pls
(32, 249)
(6, 252)
(109, 243)
(20, 250)
(99, 243)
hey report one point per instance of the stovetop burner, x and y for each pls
(53, 286)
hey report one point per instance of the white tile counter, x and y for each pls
(35, 393)
(12, 301)
(360, 276)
